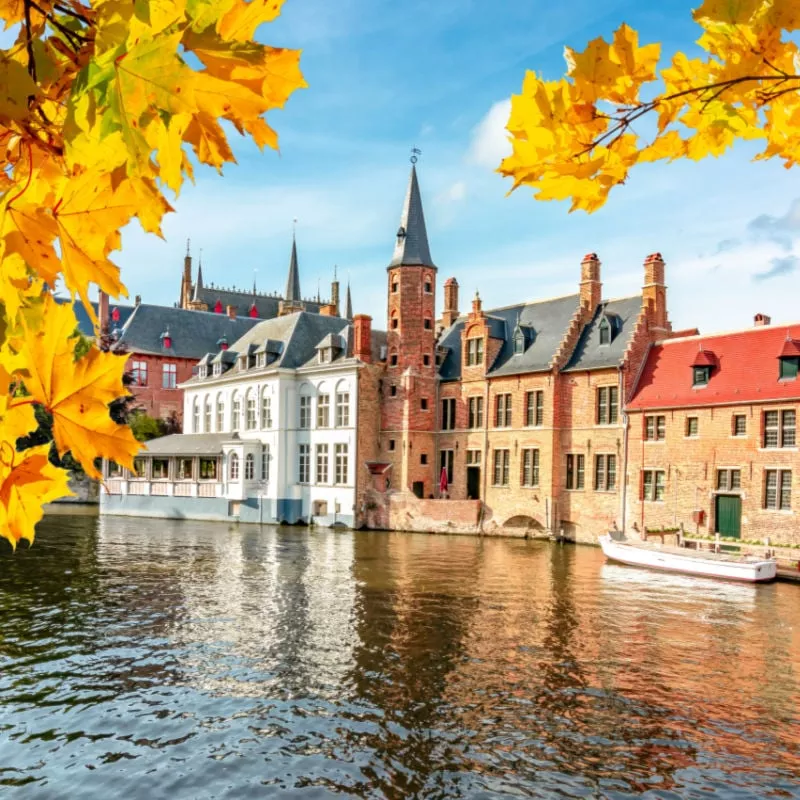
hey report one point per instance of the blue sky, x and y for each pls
(384, 76)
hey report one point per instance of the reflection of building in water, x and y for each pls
(255, 612)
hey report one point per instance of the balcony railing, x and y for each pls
(163, 488)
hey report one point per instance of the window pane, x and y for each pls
(786, 490)
(659, 485)
(613, 404)
(602, 406)
(739, 425)
(771, 428)
(736, 479)
(600, 472)
(647, 485)
(611, 481)
(788, 437)
(771, 489)
(661, 425)
(579, 473)
(722, 479)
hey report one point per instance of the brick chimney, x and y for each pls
(362, 337)
(654, 293)
(477, 306)
(329, 310)
(137, 300)
(102, 312)
(450, 313)
(591, 287)
(760, 320)
(231, 311)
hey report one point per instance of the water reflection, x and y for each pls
(194, 660)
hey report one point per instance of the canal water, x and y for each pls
(150, 659)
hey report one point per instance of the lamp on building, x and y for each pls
(166, 340)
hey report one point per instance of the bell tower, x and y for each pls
(408, 419)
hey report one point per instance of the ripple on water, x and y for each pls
(196, 660)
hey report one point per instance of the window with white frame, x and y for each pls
(196, 416)
(169, 376)
(251, 418)
(474, 351)
(139, 373)
(342, 409)
(207, 414)
(233, 467)
(264, 462)
(217, 369)
(304, 463)
(778, 489)
(534, 408)
(341, 464)
(324, 411)
(653, 483)
(249, 467)
(220, 413)
(779, 428)
(575, 470)
(305, 412)
(236, 412)
(607, 405)
(322, 463)
(266, 411)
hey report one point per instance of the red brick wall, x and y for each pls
(152, 398)
(691, 463)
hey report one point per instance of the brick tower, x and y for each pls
(408, 418)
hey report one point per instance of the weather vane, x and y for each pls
(415, 153)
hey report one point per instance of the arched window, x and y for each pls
(266, 410)
(196, 416)
(233, 467)
(250, 419)
(207, 415)
(249, 467)
(605, 332)
(519, 343)
(220, 413)
(236, 412)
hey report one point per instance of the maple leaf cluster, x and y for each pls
(104, 106)
(574, 138)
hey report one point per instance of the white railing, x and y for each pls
(207, 489)
(160, 488)
(183, 489)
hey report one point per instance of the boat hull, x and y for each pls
(726, 569)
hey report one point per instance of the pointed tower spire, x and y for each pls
(292, 293)
(412, 247)
(348, 304)
(198, 287)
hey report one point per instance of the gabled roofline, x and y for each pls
(704, 337)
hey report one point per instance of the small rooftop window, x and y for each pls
(605, 331)
(789, 360)
(704, 362)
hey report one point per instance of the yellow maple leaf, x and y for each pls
(26, 484)
(76, 393)
(244, 16)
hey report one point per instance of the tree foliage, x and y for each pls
(104, 106)
(575, 137)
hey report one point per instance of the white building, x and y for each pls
(270, 430)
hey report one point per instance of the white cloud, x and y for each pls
(490, 143)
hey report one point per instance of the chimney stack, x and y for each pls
(231, 311)
(591, 287)
(760, 320)
(137, 300)
(362, 338)
(329, 310)
(102, 313)
(654, 293)
(450, 313)
(477, 306)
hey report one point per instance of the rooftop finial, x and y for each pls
(188, 245)
(334, 272)
(415, 153)
(294, 227)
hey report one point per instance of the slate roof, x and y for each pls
(188, 444)
(747, 370)
(193, 333)
(85, 322)
(548, 321)
(267, 306)
(411, 248)
(589, 353)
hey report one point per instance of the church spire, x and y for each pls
(292, 294)
(198, 287)
(411, 248)
(348, 314)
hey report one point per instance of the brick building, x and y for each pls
(519, 406)
(164, 346)
(712, 442)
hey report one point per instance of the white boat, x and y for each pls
(689, 562)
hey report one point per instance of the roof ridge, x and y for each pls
(531, 302)
(752, 329)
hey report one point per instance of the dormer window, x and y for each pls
(605, 331)
(519, 343)
(217, 369)
(261, 360)
(202, 372)
(789, 360)
(243, 362)
(703, 364)
(325, 355)
(222, 343)
(166, 340)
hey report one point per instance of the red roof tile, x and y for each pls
(791, 349)
(746, 370)
(704, 358)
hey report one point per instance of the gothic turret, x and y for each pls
(292, 299)
(411, 247)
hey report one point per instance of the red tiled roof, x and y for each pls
(704, 358)
(746, 370)
(791, 349)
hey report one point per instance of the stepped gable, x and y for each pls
(589, 353)
(746, 370)
(192, 333)
(547, 321)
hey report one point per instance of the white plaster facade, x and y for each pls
(272, 413)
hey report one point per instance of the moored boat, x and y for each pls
(689, 562)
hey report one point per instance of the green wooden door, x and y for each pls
(729, 515)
